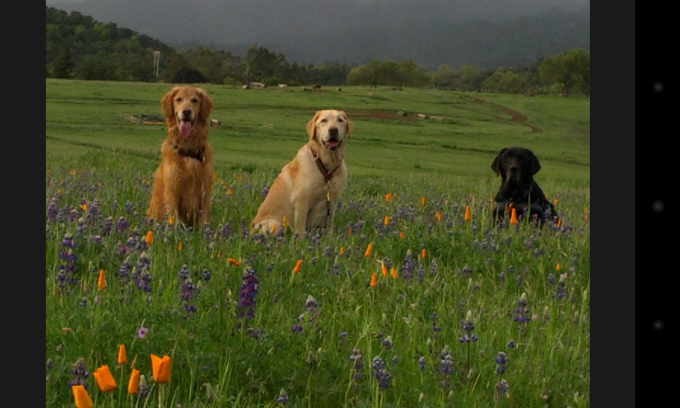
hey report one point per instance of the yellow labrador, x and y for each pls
(308, 189)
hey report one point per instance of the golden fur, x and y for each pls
(182, 184)
(299, 191)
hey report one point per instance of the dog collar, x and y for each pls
(194, 154)
(327, 175)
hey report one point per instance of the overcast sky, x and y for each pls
(253, 22)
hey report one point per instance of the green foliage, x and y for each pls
(505, 81)
(570, 70)
(390, 73)
(188, 75)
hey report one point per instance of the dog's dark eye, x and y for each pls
(178, 100)
(194, 100)
(340, 120)
(324, 120)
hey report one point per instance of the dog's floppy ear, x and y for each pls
(535, 165)
(350, 125)
(496, 165)
(206, 104)
(311, 126)
(166, 103)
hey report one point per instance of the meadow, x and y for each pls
(409, 304)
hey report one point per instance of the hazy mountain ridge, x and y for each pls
(359, 33)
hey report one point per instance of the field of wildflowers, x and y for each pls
(417, 300)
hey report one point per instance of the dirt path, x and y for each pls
(515, 116)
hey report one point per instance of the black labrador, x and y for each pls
(517, 167)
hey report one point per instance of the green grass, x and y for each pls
(96, 157)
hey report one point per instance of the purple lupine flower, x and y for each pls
(296, 329)
(80, 373)
(408, 266)
(387, 342)
(270, 267)
(446, 361)
(511, 344)
(311, 303)
(420, 272)
(283, 397)
(561, 292)
(140, 275)
(433, 266)
(128, 206)
(226, 231)
(206, 275)
(68, 241)
(106, 228)
(502, 387)
(122, 224)
(501, 363)
(380, 373)
(387, 262)
(467, 326)
(244, 229)
(335, 269)
(421, 363)
(247, 294)
(124, 270)
(522, 312)
(52, 210)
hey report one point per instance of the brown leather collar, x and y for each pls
(195, 154)
(327, 175)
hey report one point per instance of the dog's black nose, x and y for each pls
(333, 131)
(513, 169)
(186, 113)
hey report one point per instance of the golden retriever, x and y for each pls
(182, 184)
(308, 189)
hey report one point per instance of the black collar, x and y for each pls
(327, 175)
(195, 154)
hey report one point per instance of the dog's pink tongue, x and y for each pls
(185, 128)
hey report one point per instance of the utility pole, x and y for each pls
(156, 60)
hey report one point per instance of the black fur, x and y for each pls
(517, 167)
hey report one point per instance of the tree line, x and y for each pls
(79, 47)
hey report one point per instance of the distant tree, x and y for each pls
(571, 71)
(471, 78)
(444, 77)
(63, 65)
(505, 80)
(188, 75)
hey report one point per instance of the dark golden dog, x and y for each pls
(183, 182)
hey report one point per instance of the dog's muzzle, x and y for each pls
(185, 123)
(332, 144)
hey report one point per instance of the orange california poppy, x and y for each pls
(122, 355)
(101, 281)
(160, 368)
(104, 379)
(81, 397)
(133, 384)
